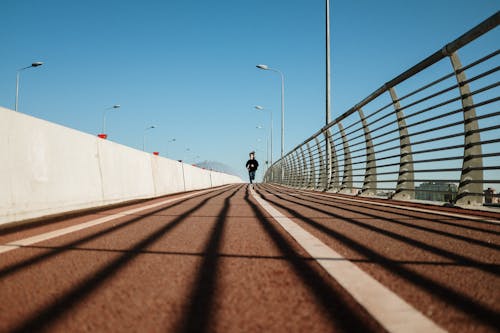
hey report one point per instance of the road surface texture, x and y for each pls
(261, 259)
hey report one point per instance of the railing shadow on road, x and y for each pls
(455, 299)
(355, 209)
(165, 253)
(44, 317)
(348, 316)
(465, 261)
(5, 271)
(200, 309)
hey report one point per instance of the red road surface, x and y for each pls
(217, 262)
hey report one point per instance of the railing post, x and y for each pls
(334, 164)
(370, 182)
(320, 184)
(405, 189)
(327, 169)
(278, 172)
(283, 171)
(312, 171)
(328, 161)
(304, 174)
(291, 170)
(470, 188)
(296, 166)
(346, 186)
(288, 171)
(269, 175)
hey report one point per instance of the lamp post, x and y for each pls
(265, 67)
(169, 141)
(267, 143)
(116, 106)
(144, 136)
(35, 64)
(258, 107)
(327, 65)
(328, 92)
(187, 151)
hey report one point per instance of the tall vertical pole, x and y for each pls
(265, 67)
(104, 123)
(35, 64)
(328, 116)
(17, 89)
(116, 106)
(271, 160)
(282, 114)
(328, 113)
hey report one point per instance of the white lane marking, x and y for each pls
(421, 210)
(392, 312)
(56, 233)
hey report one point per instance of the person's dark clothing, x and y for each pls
(252, 166)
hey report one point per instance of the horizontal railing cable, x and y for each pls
(436, 141)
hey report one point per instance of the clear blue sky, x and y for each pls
(188, 67)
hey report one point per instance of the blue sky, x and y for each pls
(188, 67)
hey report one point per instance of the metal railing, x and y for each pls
(431, 133)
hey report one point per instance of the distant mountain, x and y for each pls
(220, 167)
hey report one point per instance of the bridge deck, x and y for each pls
(218, 261)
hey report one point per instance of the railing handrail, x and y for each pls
(437, 108)
(490, 23)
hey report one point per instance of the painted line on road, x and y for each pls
(415, 209)
(56, 233)
(391, 311)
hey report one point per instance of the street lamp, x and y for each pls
(267, 142)
(260, 108)
(116, 106)
(265, 67)
(187, 151)
(35, 64)
(328, 111)
(144, 136)
(169, 141)
(327, 65)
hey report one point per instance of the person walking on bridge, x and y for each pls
(252, 166)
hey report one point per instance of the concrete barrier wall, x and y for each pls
(49, 169)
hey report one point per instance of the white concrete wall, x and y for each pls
(48, 169)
